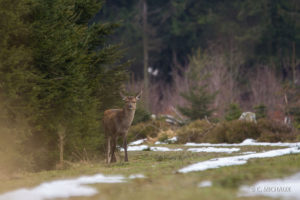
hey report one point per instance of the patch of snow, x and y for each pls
(251, 142)
(144, 147)
(213, 149)
(138, 142)
(171, 140)
(159, 142)
(133, 176)
(236, 160)
(135, 148)
(62, 188)
(164, 149)
(205, 184)
(247, 142)
(287, 188)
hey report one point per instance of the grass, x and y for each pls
(163, 182)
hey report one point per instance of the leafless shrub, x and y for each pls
(220, 72)
(266, 89)
(211, 68)
(211, 64)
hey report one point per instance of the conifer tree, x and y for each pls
(233, 112)
(260, 111)
(198, 97)
(199, 103)
(16, 75)
(79, 74)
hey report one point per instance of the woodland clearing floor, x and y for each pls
(162, 180)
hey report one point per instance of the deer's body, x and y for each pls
(116, 123)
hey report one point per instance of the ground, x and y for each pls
(162, 179)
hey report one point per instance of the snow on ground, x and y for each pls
(207, 147)
(136, 148)
(144, 147)
(236, 160)
(171, 140)
(164, 149)
(287, 188)
(138, 142)
(141, 141)
(213, 149)
(205, 184)
(65, 188)
(159, 142)
(133, 176)
(247, 142)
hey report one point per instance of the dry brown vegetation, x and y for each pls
(151, 129)
(198, 131)
(236, 131)
(194, 132)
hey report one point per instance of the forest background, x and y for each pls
(62, 63)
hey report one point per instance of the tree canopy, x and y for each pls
(59, 73)
(263, 31)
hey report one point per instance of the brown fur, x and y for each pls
(116, 123)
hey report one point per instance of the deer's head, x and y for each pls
(130, 101)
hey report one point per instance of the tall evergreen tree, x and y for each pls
(58, 73)
(199, 99)
(78, 76)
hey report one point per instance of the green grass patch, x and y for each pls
(163, 181)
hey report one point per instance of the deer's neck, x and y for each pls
(128, 117)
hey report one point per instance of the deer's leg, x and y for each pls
(125, 147)
(114, 156)
(113, 149)
(108, 150)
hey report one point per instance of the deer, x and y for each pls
(116, 123)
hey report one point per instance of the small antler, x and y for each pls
(122, 95)
(138, 95)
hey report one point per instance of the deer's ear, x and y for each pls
(138, 96)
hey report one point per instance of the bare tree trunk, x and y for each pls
(61, 142)
(294, 62)
(294, 46)
(145, 46)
